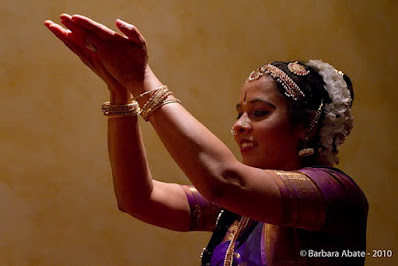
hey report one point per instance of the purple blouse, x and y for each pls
(324, 222)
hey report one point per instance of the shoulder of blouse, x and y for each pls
(346, 205)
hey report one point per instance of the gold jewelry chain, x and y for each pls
(229, 255)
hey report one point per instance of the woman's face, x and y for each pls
(265, 134)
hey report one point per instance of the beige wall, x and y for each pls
(56, 200)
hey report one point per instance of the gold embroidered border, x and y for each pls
(303, 204)
(203, 212)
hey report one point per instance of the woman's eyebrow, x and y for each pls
(253, 101)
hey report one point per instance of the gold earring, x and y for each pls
(305, 151)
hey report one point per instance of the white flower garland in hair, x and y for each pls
(338, 121)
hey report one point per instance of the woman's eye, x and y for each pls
(260, 113)
(255, 114)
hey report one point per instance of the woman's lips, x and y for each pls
(247, 145)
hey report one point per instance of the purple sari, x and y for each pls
(324, 223)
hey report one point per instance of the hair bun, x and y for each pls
(337, 121)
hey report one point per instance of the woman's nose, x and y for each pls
(241, 126)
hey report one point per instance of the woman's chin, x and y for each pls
(253, 163)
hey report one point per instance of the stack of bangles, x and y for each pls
(158, 98)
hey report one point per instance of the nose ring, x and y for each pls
(244, 125)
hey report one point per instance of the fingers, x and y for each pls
(93, 34)
(71, 40)
(75, 38)
(48, 22)
(131, 32)
(82, 33)
(58, 30)
(85, 37)
(97, 29)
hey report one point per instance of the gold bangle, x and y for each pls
(147, 92)
(156, 101)
(147, 115)
(120, 110)
(155, 98)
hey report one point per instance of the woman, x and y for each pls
(283, 205)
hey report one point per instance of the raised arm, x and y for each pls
(154, 202)
(207, 162)
(213, 169)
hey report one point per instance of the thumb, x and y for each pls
(131, 32)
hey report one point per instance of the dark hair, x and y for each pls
(225, 219)
(302, 111)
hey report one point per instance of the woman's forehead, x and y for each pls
(265, 87)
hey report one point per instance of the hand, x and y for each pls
(124, 56)
(89, 57)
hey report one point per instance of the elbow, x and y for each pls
(134, 209)
(122, 207)
(132, 201)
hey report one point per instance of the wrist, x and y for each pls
(149, 83)
(150, 80)
(120, 97)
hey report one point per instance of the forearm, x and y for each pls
(137, 194)
(212, 167)
(131, 175)
(199, 153)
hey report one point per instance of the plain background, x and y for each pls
(57, 205)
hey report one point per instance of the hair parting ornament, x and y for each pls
(297, 69)
(291, 88)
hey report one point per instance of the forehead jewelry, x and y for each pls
(291, 88)
(244, 99)
(297, 69)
